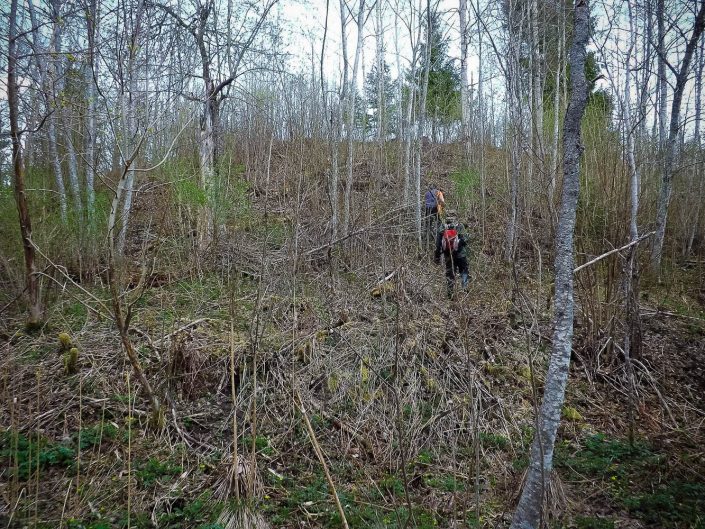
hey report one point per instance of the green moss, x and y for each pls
(571, 414)
(444, 482)
(152, 471)
(425, 457)
(496, 441)
(674, 504)
(92, 436)
(391, 484)
(589, 522)
(23, 456)
(262, 444)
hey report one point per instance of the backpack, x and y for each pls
(430, 198)
(450, 240)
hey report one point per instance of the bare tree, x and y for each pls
(669, 154)
(529, 510)
(31, 281)
(92, 17)
(464, 87)
(351, 110)
(46, 73)
(215, 87)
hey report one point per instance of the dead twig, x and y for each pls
(322, 459)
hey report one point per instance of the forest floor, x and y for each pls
(423, 407)
(440, 388)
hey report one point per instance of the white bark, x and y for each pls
(528, 514)
(91, 128)
(481, 120)
(661, 74)
(129, 116)
(537, 84)
(381, 103)
(464, 86)
(664, 198)
(47, 75)
(515, 132)
(351, 116)
(422, 121)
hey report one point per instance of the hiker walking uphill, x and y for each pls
(434, 202)
(452, 242)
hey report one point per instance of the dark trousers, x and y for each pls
(430, 219)
(456, 263)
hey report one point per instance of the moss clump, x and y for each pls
(71, 361)
(64, 341)
(571, 414)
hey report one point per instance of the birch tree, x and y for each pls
(61, 106)
(203, 29)
(528, 514)
(31, 280)
(351, 111)
(91, 15)
(129, 120)
(47, 75)
(669, 153)
(464, 87)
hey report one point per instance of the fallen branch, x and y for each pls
(601, 257)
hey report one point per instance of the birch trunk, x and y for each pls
(646, 68)
(400, 108)
(515, 131)
(129, 110)
(62, 112)
(464, 87)
(697, 133)
(351, 117)
(381, 110)
(32, 283)
(632, 339)
(556, 118)
(661, 73)
(529, 512)
(422, 123)
(664, 198)
(47, 74)
(481, 120)
(92, 28)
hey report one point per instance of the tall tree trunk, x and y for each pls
(47, 75)
(661, 73)
(646, 66)
(664, 198)
(92, 29)
(464, 87)
(698, 137)
(62, 110)
(381, 81)
(528, 514)
(556, 116)
(632, 339)
(129, 110)
(401, 130)
(333, 134)
(351, 116)
(699, 80)
(537, 105)
(422, 122)
(31, 281)
(515, 131)
(481, 121)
